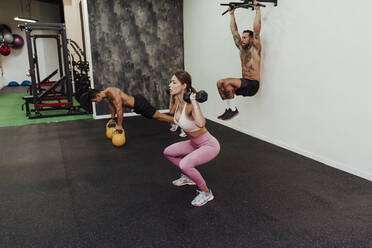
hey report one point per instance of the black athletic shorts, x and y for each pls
(143, 107)
(248, 87)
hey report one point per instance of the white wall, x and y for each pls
(16, 65)
(72, 20)
(73, 24)
(316, 88)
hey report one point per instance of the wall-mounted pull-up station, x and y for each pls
(247, 4)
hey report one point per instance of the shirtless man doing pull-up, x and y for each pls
(249, 46)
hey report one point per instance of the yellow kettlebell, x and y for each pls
(118, 139)
(110, 129)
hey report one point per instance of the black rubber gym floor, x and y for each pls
(64, 185)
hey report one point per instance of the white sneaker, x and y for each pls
(202, 198)
(173, 127)
(182, 133)
(183, 180)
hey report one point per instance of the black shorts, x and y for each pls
(248, 87)
(143, 107)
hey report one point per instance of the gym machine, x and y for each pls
(46, 95)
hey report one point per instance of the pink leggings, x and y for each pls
(186, 155)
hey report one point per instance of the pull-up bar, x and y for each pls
(247, 4)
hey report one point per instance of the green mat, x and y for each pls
(11, 113)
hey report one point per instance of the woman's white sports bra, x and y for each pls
(187, 125)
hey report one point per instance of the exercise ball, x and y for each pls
(26, 83)
(4, 49)
(5, 28)
(85, 102)
(109, 130)
(8, 38)
(13, 84)
(118, 139)
(17, 41)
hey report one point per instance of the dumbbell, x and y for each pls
(201, 96)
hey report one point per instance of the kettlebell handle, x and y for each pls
(120, 131)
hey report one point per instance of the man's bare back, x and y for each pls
(117, 96)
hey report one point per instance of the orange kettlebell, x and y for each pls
(110, 129)
(118, 139)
